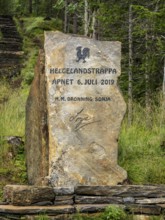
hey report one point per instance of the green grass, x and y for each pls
(12, 123)
(112, 212)
(31, 58)
(42, 217)
(140, 151)
(37, 25)
(12, 120)
(12, 167)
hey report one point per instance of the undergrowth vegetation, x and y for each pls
(13, 100)
(32, 31)
(13, 112)
(12, 123)
(141, 148)
(112, 212)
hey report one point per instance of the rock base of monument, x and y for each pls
(74, 113)
(62, 203)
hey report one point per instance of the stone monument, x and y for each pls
(79, 123)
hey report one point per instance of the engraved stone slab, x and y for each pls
(85, 110)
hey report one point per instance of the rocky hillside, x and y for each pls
(10, 48)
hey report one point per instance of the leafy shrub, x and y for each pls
(114, 213)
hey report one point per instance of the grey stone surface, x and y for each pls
(8, 191)
(85, 110)
(128, 200)
(44, 203)
(63, 191)
(60, 198)
(141, 217)
(27, 195)
(36, 143)
(135, 191)
(97, 200)
(144, 209)
(9, 209)
(151, 201)
(11, 53)
(93, 208)
(64, 202)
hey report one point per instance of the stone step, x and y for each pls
(157, 191)
(4, 64)
(10, 71)
(6, 17)
(8, 28)
(7, 24)
(10, 46)
(5, 67)
(13, 35)
(82, 208)
(9, 57)
(97, 200)
(11, 31)
(5, 21)
(55, 210)
(16, 39)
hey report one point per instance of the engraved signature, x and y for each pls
(81, 120)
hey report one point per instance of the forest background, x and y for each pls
(140, 26)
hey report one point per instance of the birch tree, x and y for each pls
(66, 16)
(164, 91)
(147, 83)
(86, 18)
(130, 101)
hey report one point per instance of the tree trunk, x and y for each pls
(66, 17)
(86, 18)
(94, 34)
(130, 101)
(164, 82)
(36, 7)
(147, 82)
(30, 6)
(48, 9)
(163, 90)
(75, 27)
(51, 7)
